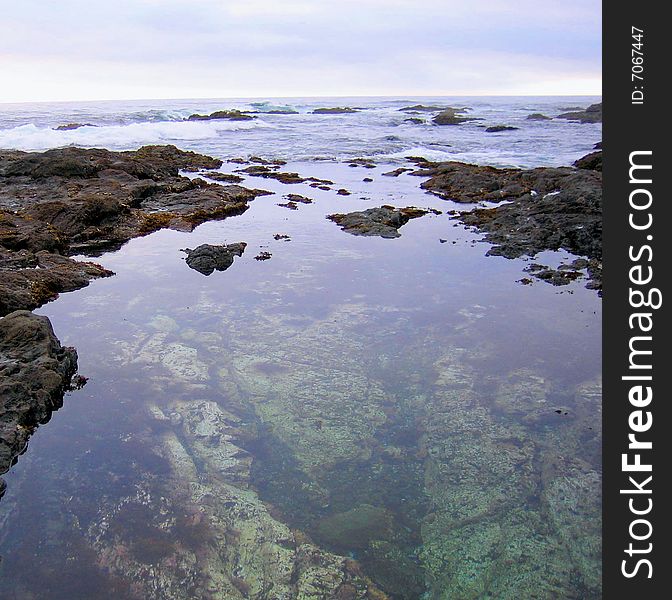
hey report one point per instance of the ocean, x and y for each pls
(405, 405)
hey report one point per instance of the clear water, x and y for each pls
(393, 401)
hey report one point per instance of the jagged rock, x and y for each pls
(592, 114)
(35, 371)
(449, 116)
(383, 221)
(208, 258)
(230, 115)
(71, 126)
(592, 161)
(86, 201)
(548, 209)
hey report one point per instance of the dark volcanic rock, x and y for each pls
(414, 120)
(299, 198)
(537, 117)
(450, 117)
(223, 177)
(549, 209)
(85, 201)
(207, 258)
(592, 161)
(29, 280)
(339, 110)
(424, 108)
(593, 114)
(382, 221)
(397, 172)
(496, 128)
(35, 372)
(71, 126)
(230, 115)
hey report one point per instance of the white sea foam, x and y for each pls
(133, 135)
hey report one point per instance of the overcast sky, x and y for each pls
(124, 49)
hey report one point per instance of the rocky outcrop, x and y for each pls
(30, 279)
(592, 114)
(548, 209)
(85, 201)
(229, 115)
(207, 258)
(450, 117)
(383, 221)
(537, 117)
(35, 371)
(71, 126)
(592, 161)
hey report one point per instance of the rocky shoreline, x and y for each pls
(540, 209)
(86, 201)
(78, 201)
(71, 201)
(35, 372)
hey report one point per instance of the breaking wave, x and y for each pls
(117, 137)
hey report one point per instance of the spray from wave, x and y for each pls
(117, 137)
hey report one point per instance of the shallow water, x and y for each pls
(403, 402)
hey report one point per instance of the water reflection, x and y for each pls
(403, 403)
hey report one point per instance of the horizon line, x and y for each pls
(308, 97)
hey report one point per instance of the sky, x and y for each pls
(150, 49)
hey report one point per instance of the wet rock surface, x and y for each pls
(383, 221)
(208, 258)
(229, 115)
(35, 372)
(592, 114)
(537, 117)
(450, 116)
(86, 201)
(498, 128)
(547, 209)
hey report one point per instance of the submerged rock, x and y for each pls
(497, 128)
(207, 258)
(592, 114)
(383, 221)
(35, 372)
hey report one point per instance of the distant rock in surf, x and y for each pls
(498, 128)
(537, 117)
(592, 114)
(230, 115)
(71, 126)
(335, 111)
(450, 117)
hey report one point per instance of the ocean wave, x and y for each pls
(130, 136)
